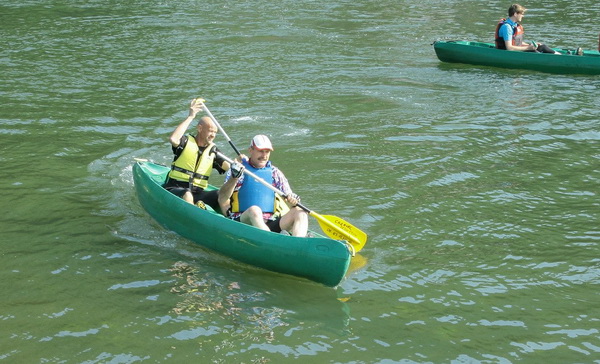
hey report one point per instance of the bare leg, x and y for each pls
(254, 216)
(188, 197)
(295, 221)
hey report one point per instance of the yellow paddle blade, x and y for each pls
(357, 262)
(340, 229)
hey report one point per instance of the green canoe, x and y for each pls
(486, 54)
(317, 258)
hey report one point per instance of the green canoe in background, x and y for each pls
(486, 54)
(317, 258)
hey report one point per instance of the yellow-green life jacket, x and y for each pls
(192, 167)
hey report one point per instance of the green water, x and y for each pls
(478, 187)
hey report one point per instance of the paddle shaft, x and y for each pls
(317, 216)
(211, 116)
(265, 183)
(357, 243)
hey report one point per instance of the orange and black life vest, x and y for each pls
(517, 38)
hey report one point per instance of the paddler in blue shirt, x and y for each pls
(195, 158)
(509, 33)
(244, 199)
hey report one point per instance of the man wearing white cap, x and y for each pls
(244, 199)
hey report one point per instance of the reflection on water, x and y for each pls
(236, 313)
(227, 301)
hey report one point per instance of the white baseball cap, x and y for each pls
(261, 142)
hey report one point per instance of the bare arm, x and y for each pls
(226, 165)
(225, 193)
(195, 106)
(522, 48)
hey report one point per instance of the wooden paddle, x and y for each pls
(333, 226)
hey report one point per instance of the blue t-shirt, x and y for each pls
(506, 31)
